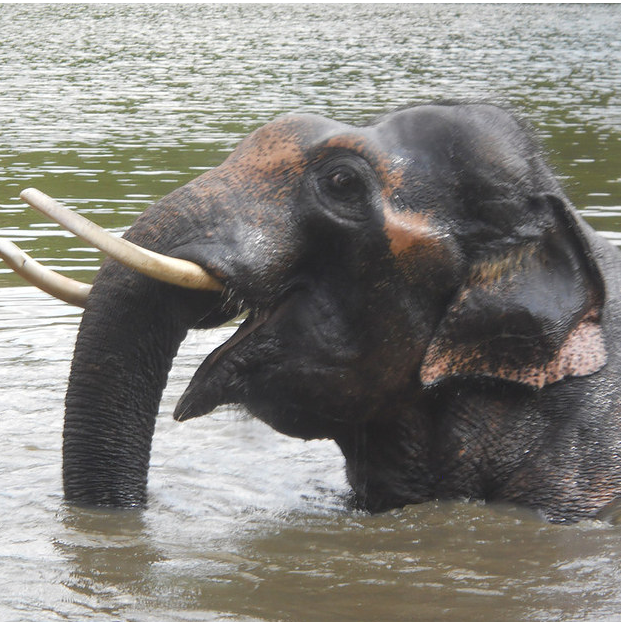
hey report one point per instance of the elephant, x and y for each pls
(419, 289)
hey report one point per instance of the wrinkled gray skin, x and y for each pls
(419, 290)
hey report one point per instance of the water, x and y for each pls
(110, 107)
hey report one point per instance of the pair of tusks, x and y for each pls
(161, 267)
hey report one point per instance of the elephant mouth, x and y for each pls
(220, 378)
(252, 323)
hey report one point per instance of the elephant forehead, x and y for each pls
(269, 161)
(269, 152)
(287, 146)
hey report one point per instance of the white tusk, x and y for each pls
(57, 285)
(161, 267)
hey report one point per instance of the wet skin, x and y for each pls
(419, 290)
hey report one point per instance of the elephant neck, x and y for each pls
(452, 444)
(387, 462)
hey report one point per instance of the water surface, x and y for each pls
(109, 107)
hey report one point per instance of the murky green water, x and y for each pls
(110, 107)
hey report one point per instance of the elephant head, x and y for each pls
(394, 277)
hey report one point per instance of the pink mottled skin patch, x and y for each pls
(583, 353)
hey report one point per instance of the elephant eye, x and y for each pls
(344, 184)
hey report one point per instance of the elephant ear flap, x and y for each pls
(531, 315)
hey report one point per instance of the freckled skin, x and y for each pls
(420, 290)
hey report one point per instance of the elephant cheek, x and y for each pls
(422, 251)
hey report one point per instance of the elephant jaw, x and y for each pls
(212, 384)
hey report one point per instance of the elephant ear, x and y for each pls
(531, 314)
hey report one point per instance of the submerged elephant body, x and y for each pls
(419, 290)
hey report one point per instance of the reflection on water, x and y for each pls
(431, 560)
(110, 107)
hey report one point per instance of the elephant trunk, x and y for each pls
(131, 330)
